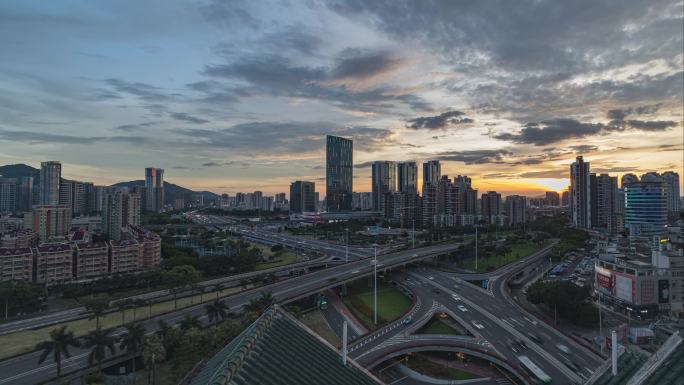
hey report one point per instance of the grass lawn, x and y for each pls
(25, 341)
(392, 303)
(285, 259)
(425, 366)
(518, 250)
(315, 321)
(436, 326)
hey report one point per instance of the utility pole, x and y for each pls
(413, 233)
(375, 284)
(344, 343)
(600, 323)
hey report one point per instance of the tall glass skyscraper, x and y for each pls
(154, 189)
(338, 173)
(50, 174)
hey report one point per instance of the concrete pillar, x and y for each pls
(614, 355)
(344, 343)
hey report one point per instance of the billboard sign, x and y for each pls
(663, 291)
(604, 281)
(623, 288)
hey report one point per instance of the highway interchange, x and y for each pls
(501, 321)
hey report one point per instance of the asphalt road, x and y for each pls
(26, 370)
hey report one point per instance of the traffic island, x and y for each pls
(443, 326)
(392, 303)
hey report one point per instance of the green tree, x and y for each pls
(58, 345)
(178, 277)
(153, 352)
(97, 306)
(216, 310)
(217, 288)
(132, 341)
(189, 322)
(99, 341)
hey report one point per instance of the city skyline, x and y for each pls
(239, 97)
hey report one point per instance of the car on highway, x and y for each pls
(477, 324)
(462, 308)
(515, 348)
(522, 344)
(354, 272)
(535, 338)
(407, 320)
(436, 291)
(563, 348)
(431, 278)
(455, 297)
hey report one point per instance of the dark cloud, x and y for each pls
(622, 113)
(142, 90)
(44, 137)
(556, 174)
(364, 164)
(188, 118)
(134, 127)
(441, 121)
(356, 64)
(557, 130)
(474, 156)
(583, 148)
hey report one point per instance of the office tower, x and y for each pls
(429, 203)
(671, 178)
(515, 209)
(565, 198)
(25, 194)
(338, 173)
(407, 177)
(362, 201)
(119, 210)
(154, 189)
(604, 191)
(51, 222)
(302, 197)
(383, 182)
(580, 193)
(646, 205)
(280, 198)
(432, 171)
(8, 195)
(552, 198)
(491, 206)
(50, 175)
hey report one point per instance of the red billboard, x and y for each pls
(604, 281)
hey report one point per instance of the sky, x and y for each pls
(232, 96)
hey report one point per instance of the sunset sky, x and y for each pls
(234, 96)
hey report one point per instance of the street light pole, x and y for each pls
(375, 284)
(346, 245)
(475, 247)
(413, 234)
(600, 323)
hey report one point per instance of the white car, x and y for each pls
(431, 278)
(455, 297)
(477, 324)
(462, 308)
(563, 348)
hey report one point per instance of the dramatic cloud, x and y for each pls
(441, 121)
(475, 156)
(188, 118)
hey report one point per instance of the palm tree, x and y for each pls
(164, 329)
(58, 345)
(98, 341)
(266, 299)
(190, 322)
(132, 341)
(216, 310)
(97, 306)
(217, 288)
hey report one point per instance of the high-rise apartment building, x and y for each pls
(432, 172)
(51, 222)
(383, 183)
(516, 209)
(50, 176)
(25, 194)
(362, 201)
(302, 197)
(580, 193)
(339, 176)
(8, 195)
(645, 205)
(407, 178)
(552, 198)
(54, 262)
(565, 198)
(491, 206)
(76, 195)
(119, 210)
(604, 199)
(154, 189)
(671, 179)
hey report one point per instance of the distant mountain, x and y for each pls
(19, 170)
(171, 191)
